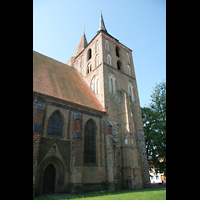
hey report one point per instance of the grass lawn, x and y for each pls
(144, 195)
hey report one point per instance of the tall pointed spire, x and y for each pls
(101, 24)
(81, 45)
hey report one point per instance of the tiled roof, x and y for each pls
(56, 79)
(81, 45)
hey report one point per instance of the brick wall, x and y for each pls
(37, 119)
(115, 162)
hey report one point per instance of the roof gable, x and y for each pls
(56, 79)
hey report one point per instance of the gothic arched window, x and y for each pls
(95, 84)
(130, 90)
(97, 60)
(129, 70)
(112, 83)
(82, 61)
(127, 58)
(97, 46)
(55, 125)
(119, 65)
(89, 68)
(117, 51)
(90, 142)
(89, 54)
(109, 59)
(107, 45)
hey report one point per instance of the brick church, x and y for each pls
(87, 125)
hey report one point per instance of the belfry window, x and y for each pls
(119, 65)
(130, 91)
(89, 68)
(107, 45)
(109, 59)
(129, 70)
(97, 60)
(117, 51)
(89, 54)
(90, 143)
(95, 84)
(55, 125)
(127, 58)
(97, 46)
(112, 83)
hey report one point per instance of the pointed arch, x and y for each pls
(129, 70)
(61, 171)
(117, 51)
(89, 68)
(112, 83)
(97, 46)
(89, 54)
(109, 59)
(82, 62)
(130, 90)
(55, 124)
(90, 142)
(48, 185)
(97, 60)
(95, 84)
(107, 45)
(127, 57)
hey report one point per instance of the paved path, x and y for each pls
(154, 186)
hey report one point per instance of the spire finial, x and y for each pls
(84, 29)
(101, 24)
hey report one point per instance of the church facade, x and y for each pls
(87, 125)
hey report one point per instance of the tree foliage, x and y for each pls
(154, 123)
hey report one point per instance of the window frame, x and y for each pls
(97, 46)
(97, 60)
(94, 84)
(89, 54)
(130, 91)
(128, 58)
(112, 83)
(129, 70)
(90, 139)
(109, 59)
(60, 119)
(107, 44)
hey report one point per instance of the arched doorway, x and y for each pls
(49, 179)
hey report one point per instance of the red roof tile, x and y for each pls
(56, 79)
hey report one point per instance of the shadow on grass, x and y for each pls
(98, 193)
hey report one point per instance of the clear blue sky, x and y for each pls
(138, 24)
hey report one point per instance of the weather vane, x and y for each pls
(84, 29)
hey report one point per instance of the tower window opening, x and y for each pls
(89, 68)
(97, 46)
(117, 51)
(109, 59)
(97, 60)
(118, 65)
(107, 45)
(89, 54)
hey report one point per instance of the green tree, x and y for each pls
(154, 123)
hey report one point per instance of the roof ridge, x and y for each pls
(52, 58)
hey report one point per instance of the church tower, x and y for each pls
(107, 67)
